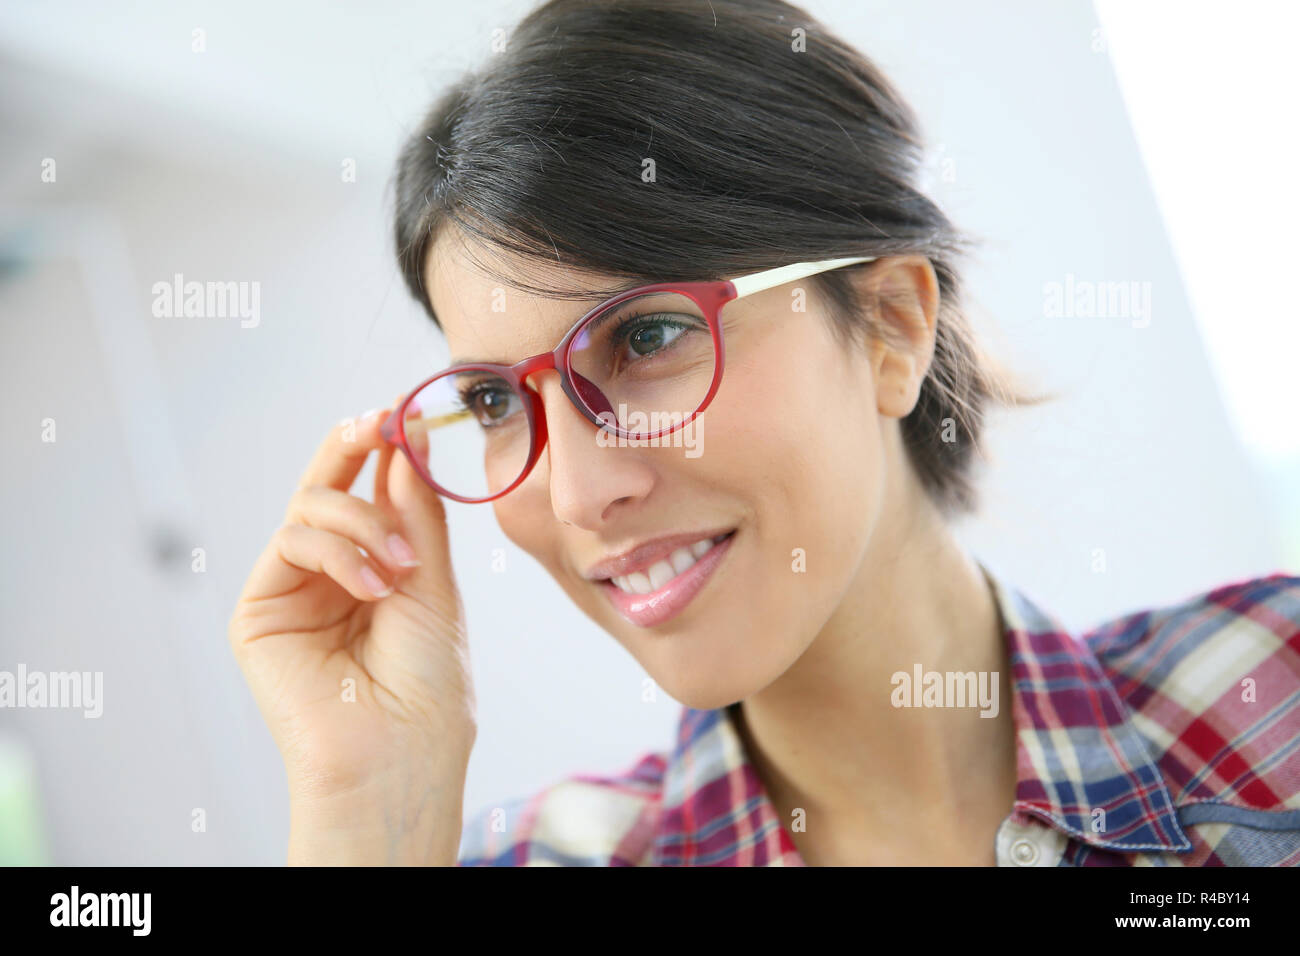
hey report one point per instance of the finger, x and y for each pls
(382, 465)
(343, 453)
(417, 437)
(420, 512)
(297, 550)
(364, 524)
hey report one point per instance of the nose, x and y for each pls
(589, 480)
(590, 394)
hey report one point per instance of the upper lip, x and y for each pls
(640, 557)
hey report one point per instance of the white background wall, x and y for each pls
(174, 434)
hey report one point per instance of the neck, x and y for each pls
(825, 737)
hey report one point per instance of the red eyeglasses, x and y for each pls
(640, 365)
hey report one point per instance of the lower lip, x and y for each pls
(648, 610)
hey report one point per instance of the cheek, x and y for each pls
(798, 414)
(799, 437)
(528, 524)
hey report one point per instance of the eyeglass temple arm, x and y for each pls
(430, 422)
(771, 278)
(745, 285)
(438, 421)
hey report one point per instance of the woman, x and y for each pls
(711, 369)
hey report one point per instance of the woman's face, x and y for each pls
(790, 459)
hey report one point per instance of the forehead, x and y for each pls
(481, 297)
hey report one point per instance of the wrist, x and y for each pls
(408, 820)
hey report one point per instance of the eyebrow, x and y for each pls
(596, 298)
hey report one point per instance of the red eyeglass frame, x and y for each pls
(710, 296)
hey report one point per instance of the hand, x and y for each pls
(359, 662)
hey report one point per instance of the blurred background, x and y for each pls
(148, 458)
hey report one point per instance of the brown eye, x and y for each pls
(493, 405)
(490, 404)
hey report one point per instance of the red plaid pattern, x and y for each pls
(1167, 737)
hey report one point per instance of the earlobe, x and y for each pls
(904, 291)
(899, 384)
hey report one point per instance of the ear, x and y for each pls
(903, 293)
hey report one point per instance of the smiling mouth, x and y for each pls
(653, 596)
(665, 571)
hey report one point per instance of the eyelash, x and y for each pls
(618, 332)
(467, 396)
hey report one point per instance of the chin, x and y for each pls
(705, 691)
(706, 699)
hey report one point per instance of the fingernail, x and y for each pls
(402, 552)
(376, 584)
(373, 413)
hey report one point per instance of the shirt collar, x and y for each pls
(1081, 765)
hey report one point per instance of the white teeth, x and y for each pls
(661, 572)
(681, 559)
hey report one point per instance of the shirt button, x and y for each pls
(1028, 842)
(1024, 853)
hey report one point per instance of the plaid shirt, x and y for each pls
(1167, 737)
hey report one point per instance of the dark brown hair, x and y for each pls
(766, 153)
